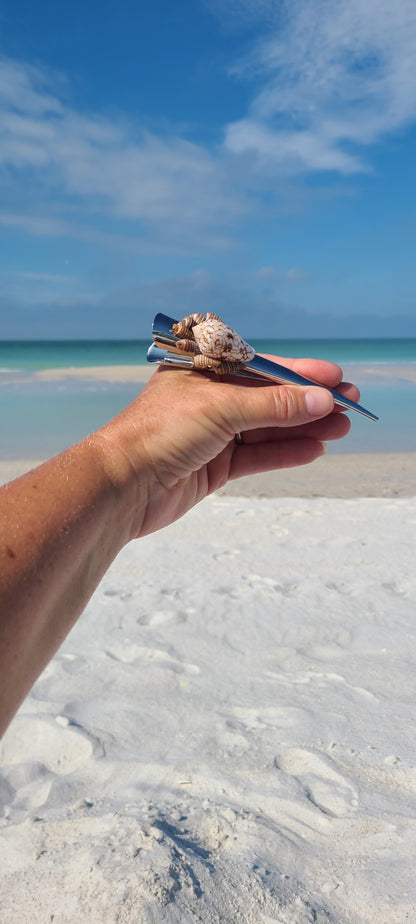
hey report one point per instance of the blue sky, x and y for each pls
(251, 157)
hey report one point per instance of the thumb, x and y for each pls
(283, 406)
(318, 402)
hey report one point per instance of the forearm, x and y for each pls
(61, 526)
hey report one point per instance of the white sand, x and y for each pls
(405, 372)
(98, 373)
(364, 372)
(228, 735)
(83, 373)
(384, 474)
(360, 373)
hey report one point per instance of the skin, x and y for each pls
(62, 524)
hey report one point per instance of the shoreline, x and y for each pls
(97, 373)
(340, 475)
(362, 372)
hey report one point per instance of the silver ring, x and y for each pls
(238, 439)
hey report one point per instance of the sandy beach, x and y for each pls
(97, 373)
(351, 475)
(228, 733)
(375, 373)
(364, 372)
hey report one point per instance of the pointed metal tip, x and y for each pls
(164, 338)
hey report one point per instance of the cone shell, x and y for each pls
(184, 328)
(219, 341)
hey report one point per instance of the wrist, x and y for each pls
(127, 477)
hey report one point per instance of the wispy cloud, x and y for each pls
(170, 187)
(255, 310)
(335, 76)
(330, 78)
(271, 274)
(37, 288)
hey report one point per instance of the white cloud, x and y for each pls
(272, 274)
(37, 288)
(40, 277)
(169, 187)
(295, 275)
(24, 88)
(35, 224)
(331, 78)
(336, 75)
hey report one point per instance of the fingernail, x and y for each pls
(319, 402)
(324, 447)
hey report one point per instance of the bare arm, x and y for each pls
(62, 524)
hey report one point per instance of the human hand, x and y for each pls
(179, 433)
(62, 524)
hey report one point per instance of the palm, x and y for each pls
(190, 440)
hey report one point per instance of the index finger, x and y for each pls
(320, 370)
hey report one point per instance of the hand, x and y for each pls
(183, 425)
(62, 524)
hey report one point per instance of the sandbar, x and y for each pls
(98, 373)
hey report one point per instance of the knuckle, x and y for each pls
(286, 403)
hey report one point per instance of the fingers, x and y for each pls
(333, 427)
(322, 372)
(349, 391)
(319, 370)
(192, 422)
(229, 407)
(278, 406)
(253, 458)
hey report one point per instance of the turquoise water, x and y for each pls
(50, 354)
(38, 419)
(400, 350)
(58, 354)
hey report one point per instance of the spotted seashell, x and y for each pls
(184, 328)
(220, 366)
(216, 339)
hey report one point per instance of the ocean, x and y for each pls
(58, 354)
(40, 418)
